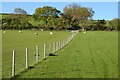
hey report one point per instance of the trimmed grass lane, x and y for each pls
(90, 55)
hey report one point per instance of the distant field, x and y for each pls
(12, 39)
(90, 55)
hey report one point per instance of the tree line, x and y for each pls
(73, 17)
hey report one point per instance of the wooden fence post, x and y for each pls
(53, 47)
(50, 48)
(26, 58)
(57, 46)
(13, 64)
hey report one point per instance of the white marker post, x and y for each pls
(26, 58)
(50, 48)
(53, 48)
(61, 44)
(57, 46)
(69, 38)
(13, 64)
(44, 51)
(65, 42)
(37, 58)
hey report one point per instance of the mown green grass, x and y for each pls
(90, 55)
(0, 54)
(13, 40)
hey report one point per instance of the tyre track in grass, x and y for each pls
(101, 49)
(76, 58)
(71, 62)
(112, 61)
(93, 52)
(106, 69)
(104, 64)
(108, 54)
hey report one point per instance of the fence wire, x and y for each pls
(20, 60)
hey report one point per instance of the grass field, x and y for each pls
(19, 41)
(90, 55)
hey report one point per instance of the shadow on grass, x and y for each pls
(29, 67)
(77, 51)
(17, 75)
(51, 54)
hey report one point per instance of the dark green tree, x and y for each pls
(76, 14)
(100, 24)
(115, 24)
(46, 14)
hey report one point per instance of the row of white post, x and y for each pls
(56, 46)
(27, 60)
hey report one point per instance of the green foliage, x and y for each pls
(108, 25)
(73, 15)
(115, 24)
(77, 14)
(47, 16)
(14, 21)
(100, 24)
(50, 18)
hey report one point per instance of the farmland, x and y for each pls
(13, 40)
(90, 55)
